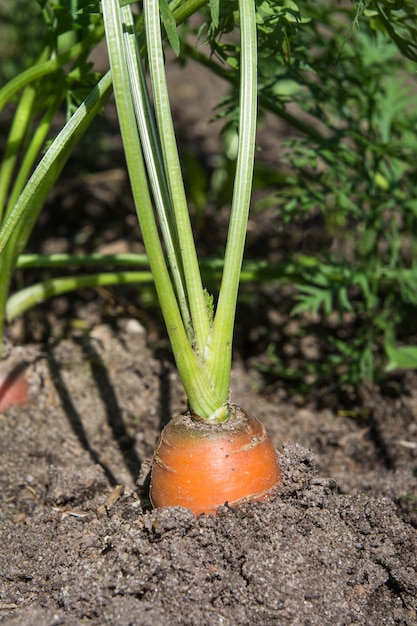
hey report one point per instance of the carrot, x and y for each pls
(206, 463)
(202, 466)
(14, 388)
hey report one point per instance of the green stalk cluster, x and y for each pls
(201, 342)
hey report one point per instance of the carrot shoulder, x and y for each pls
(202, 466)
(14, 388)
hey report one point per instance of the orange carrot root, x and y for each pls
(14, 388)
(201, 466)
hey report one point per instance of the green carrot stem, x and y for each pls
(220, 350)
(155, 165)
(32, 152)
(15, 139)
(194, 288)
(67, 260)
(27, 298)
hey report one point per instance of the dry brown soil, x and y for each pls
(78, 544)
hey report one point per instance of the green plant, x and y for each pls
(200, 333)
(201, 338)
(352, 170)
(71, 30)
(349, 165)
(60, 75)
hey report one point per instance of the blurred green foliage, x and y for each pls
(21, 31)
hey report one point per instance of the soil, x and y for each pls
(79, 545)
(79, 542)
